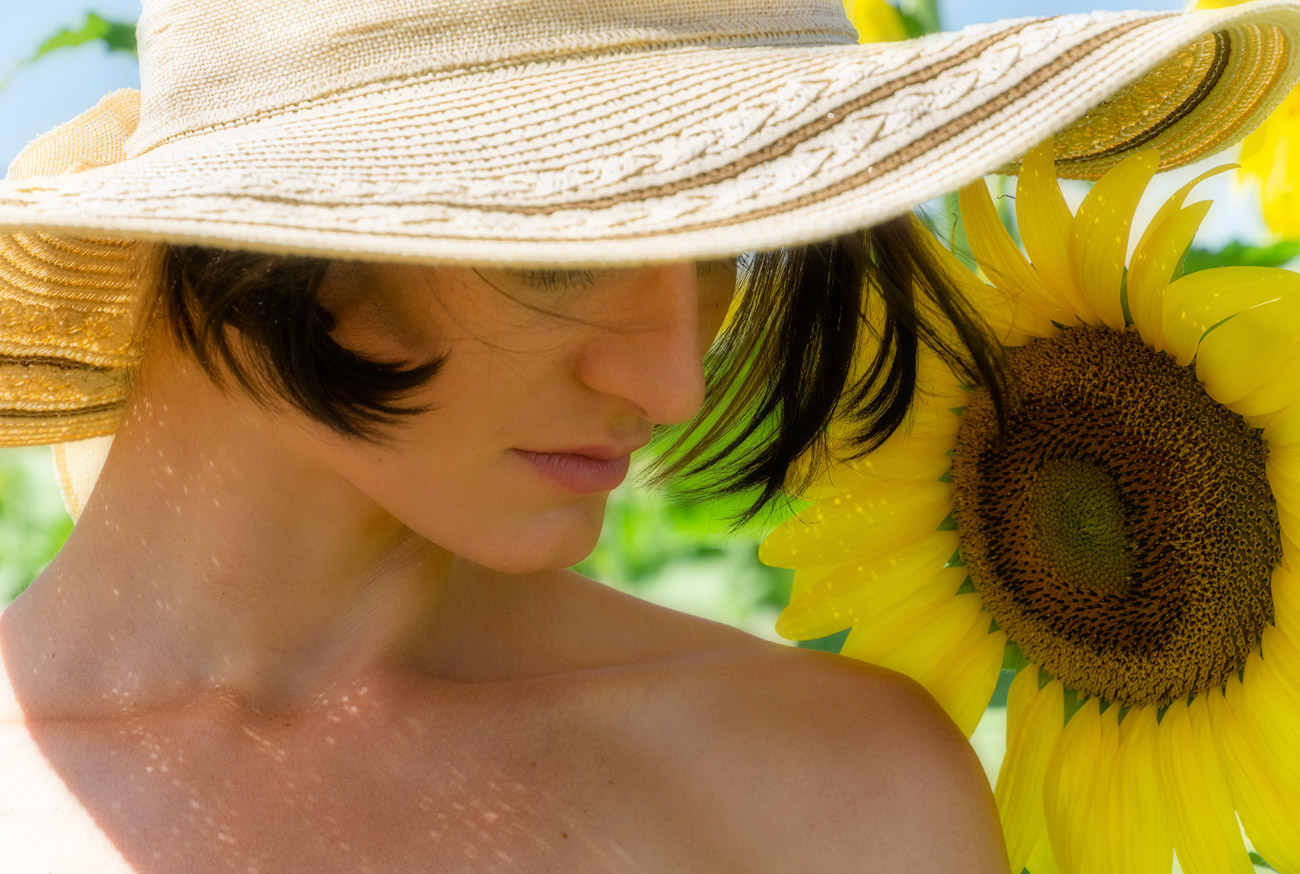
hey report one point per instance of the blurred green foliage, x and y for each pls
(33, 523)
(919, 16)
(1277, 254)
(115, 36)
(687, 558)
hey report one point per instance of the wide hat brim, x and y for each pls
(692, 152)
(634, 156)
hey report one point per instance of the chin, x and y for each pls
(542, 544)
(517, 562)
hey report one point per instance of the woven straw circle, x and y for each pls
(558, 132)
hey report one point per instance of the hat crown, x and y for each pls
(205, 63)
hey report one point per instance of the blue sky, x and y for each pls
(43, 95)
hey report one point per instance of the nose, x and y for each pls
(649, 351)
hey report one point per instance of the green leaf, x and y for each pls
(833, 643)
(116, 36)
(919, 17)
(1073, 703)
(1241, 255)
(1013, 659)
(1003, 688)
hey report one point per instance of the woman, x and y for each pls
(315, 616)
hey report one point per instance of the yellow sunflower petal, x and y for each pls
(835, 601)
(1250, 352)
(1268, 809)
(930, 419)
(936, 621)
(1101, 229)
(1283, 655)
(875, 20)
(1010, 323)
(1068, 793)
(1003, 263)
(1291, 547)
(1157, 255)
(1202, 823)
(1100, 799)
(911, 456)
(1282, 431)
(1045, 225)
(1284, 480)
(1042, 860)
(1270, 714)
(919, 450)
(964, 691)
(949, 651)
(1198, 301)
(1152, 268)
(1034, 721)
(807, 577)
(918, 457)
(1280, 390)
(999, 310)
(1286, 604)
(1269, 155)
(1135, 837)
(870, 521)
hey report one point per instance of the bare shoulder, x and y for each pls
(807, 761)
(572, 623)
(776, 759)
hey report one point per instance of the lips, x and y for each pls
(583, 471)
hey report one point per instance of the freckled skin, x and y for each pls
(269, 648)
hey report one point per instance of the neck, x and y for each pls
(216, 556)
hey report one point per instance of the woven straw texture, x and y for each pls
(558, 132)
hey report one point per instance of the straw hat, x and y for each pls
(577, 132)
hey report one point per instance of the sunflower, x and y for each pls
(1270, 157)
(1128, 542)
(875, 20)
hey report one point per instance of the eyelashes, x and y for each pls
(573, 280)
(558, 280)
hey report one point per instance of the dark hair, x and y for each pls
(272, 302)
(791, 362)
(777, 377)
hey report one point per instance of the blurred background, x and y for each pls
(58, 57)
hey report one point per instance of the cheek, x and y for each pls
(718, 297)
(450, 475)
(483, 511)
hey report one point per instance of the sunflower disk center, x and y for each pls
(1121, 530)
(1079, 516)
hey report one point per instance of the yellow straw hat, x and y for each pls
(573, 132)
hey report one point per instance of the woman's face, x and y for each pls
(551, 380)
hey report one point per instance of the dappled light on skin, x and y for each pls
(210, 787)
(265, 647)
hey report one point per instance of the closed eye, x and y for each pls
(558, 280)
(739, 264)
